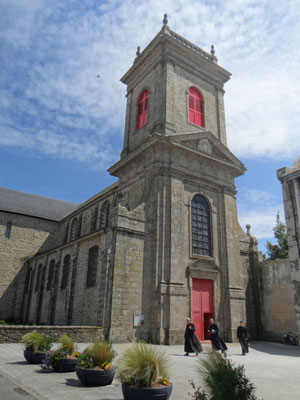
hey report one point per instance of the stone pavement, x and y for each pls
(273, 367)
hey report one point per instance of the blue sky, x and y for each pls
(57, 132)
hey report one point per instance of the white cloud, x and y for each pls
(52, 52)
(262, 220)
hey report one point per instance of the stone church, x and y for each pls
(160, 244)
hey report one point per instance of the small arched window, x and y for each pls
(196, 115)
(92, 266)
(50, 274)
(142, 109)
(201, 235)
(104, 217)
(66, 271)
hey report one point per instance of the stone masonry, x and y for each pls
(129, 249)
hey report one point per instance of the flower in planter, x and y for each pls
(98, 356)
(66, 350)
(36, 342)
(143, 365)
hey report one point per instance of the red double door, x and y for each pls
(202, 306)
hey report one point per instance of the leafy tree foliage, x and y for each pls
(279, 250)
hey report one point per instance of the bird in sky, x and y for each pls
(98, 76)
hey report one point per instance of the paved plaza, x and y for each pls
(273, 367)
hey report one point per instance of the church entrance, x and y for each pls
(202, 306)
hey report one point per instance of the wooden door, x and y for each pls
(202, 305)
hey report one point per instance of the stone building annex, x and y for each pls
(161, 243)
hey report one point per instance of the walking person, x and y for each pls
(243, 338)
(191, 342)
(216, 339)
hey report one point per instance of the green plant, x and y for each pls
(142, 365)
(223, 379)
(67, 344)
(281, 249)
(35, 341)
(99, 354)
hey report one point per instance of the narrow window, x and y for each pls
(195, 107)
(143, 109)
(65, 274)
(92, 267)
(38, 278)
(8, 229)
(104, 216)
(50, 274)
(201, 235)
(74, 229)
(28, 276)
(94, 219)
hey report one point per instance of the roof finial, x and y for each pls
(213, 56)
(165, 20)
(138, 51)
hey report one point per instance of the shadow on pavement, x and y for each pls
(18, 363)
(277, 349)
(74, 383)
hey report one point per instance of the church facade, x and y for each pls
(164, 241)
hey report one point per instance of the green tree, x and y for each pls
(279, 250)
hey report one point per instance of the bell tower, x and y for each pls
(183, 86)
(176, 224)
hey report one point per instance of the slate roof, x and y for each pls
(36, 206)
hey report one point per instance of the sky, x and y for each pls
(58, 135)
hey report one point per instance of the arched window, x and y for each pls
(8, 229)
(50, 274)
(104, 216)
(74, 229)
(143, 109)
(201, 235)
(94, 219)
(196, 115)
(38, 278)
(92, 267)
(65, 274)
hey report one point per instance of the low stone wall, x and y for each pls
(80, 334)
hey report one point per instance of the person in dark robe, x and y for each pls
(215, 337)
(243, 338)
(191, 342)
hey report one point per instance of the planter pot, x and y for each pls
(65, 365)
(35, 357)
(92, 377)
(137, 393)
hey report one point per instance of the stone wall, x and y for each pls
(275, 296)
(57, 291)
(28, 236)
(80, 334)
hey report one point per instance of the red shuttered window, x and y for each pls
(196, 107)
(143, 109)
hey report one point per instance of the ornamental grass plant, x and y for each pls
(143, 365)
(223, 380)
(36, 342)
(98, 355)
(67, 344)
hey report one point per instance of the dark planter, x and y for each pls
(65, 365)
(92, 377)
(137, 393)
(35, 357)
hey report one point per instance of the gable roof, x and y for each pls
(36, 206)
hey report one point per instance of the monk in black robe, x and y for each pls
(215, 337)
(243, 338)
(191, 342)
